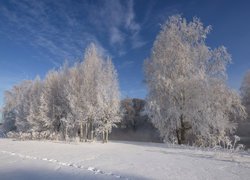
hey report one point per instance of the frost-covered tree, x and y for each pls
(245, 93)
(108, 101)
(187, 85)
(53, 109)
(77, 99)
(84, 97)
(16, 107)
(64, 106)
(34, 119)
(83, 91)
(9, 111)
(92, 71)
(23, 105)
(48, 101)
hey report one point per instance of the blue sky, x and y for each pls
(36, 36)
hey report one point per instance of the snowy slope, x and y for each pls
(116, 160)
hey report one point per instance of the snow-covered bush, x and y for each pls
(35, 135)
(12, 134)
(25, 136)
(240, 147)
(45, 134)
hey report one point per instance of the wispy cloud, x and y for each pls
(126, 64)
(49, 26)
(134, 27)
(130, 18)
(116, 19)
(61, 30)
(116, 36)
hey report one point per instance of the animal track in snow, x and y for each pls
(91, 169)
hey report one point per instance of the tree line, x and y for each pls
(188, 98)
(80, 101)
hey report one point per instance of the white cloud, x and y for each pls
(57, 34)
(116, 36)
(137, 41)
(130, 18)
(126, 64)
(64, 33)
(117, 20)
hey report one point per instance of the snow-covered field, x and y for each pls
(116, 160)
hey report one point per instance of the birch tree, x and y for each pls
(84, 97)
(76, 96)
(34, 119)
(186, 80)
(63, 106)
(16, 107)
(92, 69)
(84, 90)
(53, 102)
(245, 92)
(108, 100)
(22, 92)
(9, 111)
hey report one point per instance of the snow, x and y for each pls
(117, 160)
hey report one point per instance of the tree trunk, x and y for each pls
(76, 131)
(103, 136)
(91, 132)
(107, 135)
(178, 136)
(183, 130)
(92, 135)
(39, 135)
(66, 133)
(86, 132)
(81, 132)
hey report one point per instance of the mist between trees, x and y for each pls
(188, 100)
